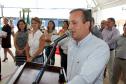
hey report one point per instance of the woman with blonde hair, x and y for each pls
(36, 42)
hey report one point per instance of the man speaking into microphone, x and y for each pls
(87, 55)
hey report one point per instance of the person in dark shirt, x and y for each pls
(95, 30)
(6, 42)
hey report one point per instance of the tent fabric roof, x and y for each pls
(102, 4)
(43, 8)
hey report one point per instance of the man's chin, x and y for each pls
(74, 37)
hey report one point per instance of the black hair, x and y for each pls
(112, 19)
(124, 25)
(52, 23)
(87, 16)
(21, 20)
(67, 22)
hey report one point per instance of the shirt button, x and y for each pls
(77, 61)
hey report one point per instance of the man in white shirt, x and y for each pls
(87, 54)
(110, 35)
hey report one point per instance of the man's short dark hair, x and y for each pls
(124, 25)
(87, 16)
(112, 19)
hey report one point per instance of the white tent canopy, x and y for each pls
(62, 3)
(44, 3)
(59, 9)
(103, 4)
(54, 8)
(42, 8)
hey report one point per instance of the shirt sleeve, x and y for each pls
(115, 35)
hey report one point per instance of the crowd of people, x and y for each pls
(86, 55)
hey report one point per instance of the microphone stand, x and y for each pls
(44, 67)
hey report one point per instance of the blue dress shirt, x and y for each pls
(87, 60)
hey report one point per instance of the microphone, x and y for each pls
(67, 34)
(44, 67)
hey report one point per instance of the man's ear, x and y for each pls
(88, 23)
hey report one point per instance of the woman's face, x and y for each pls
(5, 21)
(65, 26)
(50, 25)
(21, 25)
(35, 24)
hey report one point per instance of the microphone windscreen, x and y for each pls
(68, 33)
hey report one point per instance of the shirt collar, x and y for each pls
(110, 29)
(83, 41)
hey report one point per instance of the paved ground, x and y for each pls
(8, 67)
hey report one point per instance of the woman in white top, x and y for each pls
(36, 42)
